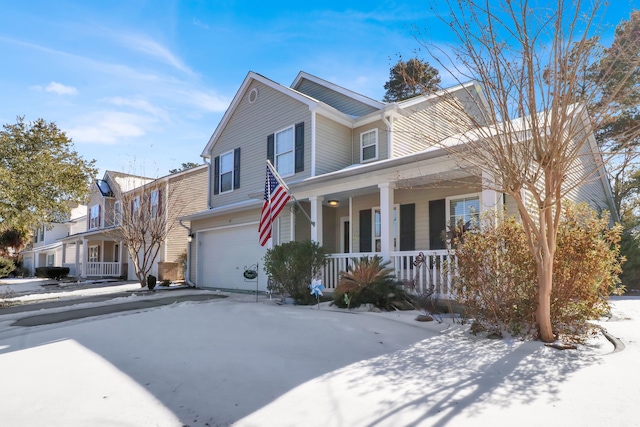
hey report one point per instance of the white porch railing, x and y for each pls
(424, 276)
(103, 269)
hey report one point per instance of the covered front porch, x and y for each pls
(94, 255)
(400, 215)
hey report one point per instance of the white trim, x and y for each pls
(343, 220)
(313, 144)
(293, 150)
(233, 160)
(460, 196)
(375, 144)
(341, 90)
(251, 77)
(222, 227)
(292, 231)
(396, 209)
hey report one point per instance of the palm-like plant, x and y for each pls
(367, 280)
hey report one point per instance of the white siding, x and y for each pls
(333, 146)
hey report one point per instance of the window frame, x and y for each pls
(135, 207)
(375, 144)
(117, 212)
(53, 260)
(291, 152)
(94, 221)
(396, 228)
(91, 256)
(231, 172)
(154, 204)
(449, 199)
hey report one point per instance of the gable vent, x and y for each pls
(253, 95)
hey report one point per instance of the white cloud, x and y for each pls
(152, 48)
(61, 89)
(209, 102)
(110, 127)
(138, 104)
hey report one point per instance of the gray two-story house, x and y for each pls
(366, 173)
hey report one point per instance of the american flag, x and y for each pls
(275, 197)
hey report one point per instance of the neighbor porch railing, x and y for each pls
(421, 270)
(103, 269)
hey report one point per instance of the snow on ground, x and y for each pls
(35, 289)
(234, 361)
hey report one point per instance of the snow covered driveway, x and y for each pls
(230, 361)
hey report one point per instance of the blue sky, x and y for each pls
(141, 85)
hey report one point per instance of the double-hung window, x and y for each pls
(226, 172)
(284, 157)
(50, 260)
(135, 207)
(464, 210)
(377, 229)
(369, 145)
(117, 213)
(155, 203)
(94, 217)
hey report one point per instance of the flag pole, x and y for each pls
(277, 176)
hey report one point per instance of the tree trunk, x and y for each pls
(543, 312)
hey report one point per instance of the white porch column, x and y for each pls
(316, 217)
(85, 256)
(489, 199)
(351, 224)
(64, 254)
(292, 224)
(78, 272)
(120, 259)
(386, 219)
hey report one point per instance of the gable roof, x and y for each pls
(334, 87)
(312, 103)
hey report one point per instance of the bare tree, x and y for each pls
(142, 223)
(532, 135)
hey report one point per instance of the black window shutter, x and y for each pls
(437, 224)
(216, 175)
(270, 149)
(236, 168)
(365, 230)
(408, 227)
(299, 153)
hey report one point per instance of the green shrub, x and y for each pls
(56, 273)
(165, 282)
(291, 267)
(497, 278)
(6, 266)
(369, 281)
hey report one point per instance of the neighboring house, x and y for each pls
(363, 170)
(47, 249)
(98, 252)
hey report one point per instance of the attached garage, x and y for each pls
(224, 253)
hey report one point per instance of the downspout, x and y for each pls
(389, 125)
(209, 182)
(187, 270)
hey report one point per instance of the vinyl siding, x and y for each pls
(335, 99)
(429, 122)
(383, 141)
(591, 190)
(248, 129)
(333, 146)
(187, 195)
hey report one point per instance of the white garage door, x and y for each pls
(223, 255)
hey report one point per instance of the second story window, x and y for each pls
(42, 234)
(135, 207)
(284, 152)
(369, 145)
(117, 213)
(94, 217)
(155, 203)
(226, 172)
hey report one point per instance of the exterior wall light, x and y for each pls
(333, 203)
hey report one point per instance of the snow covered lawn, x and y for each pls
(258, 364)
